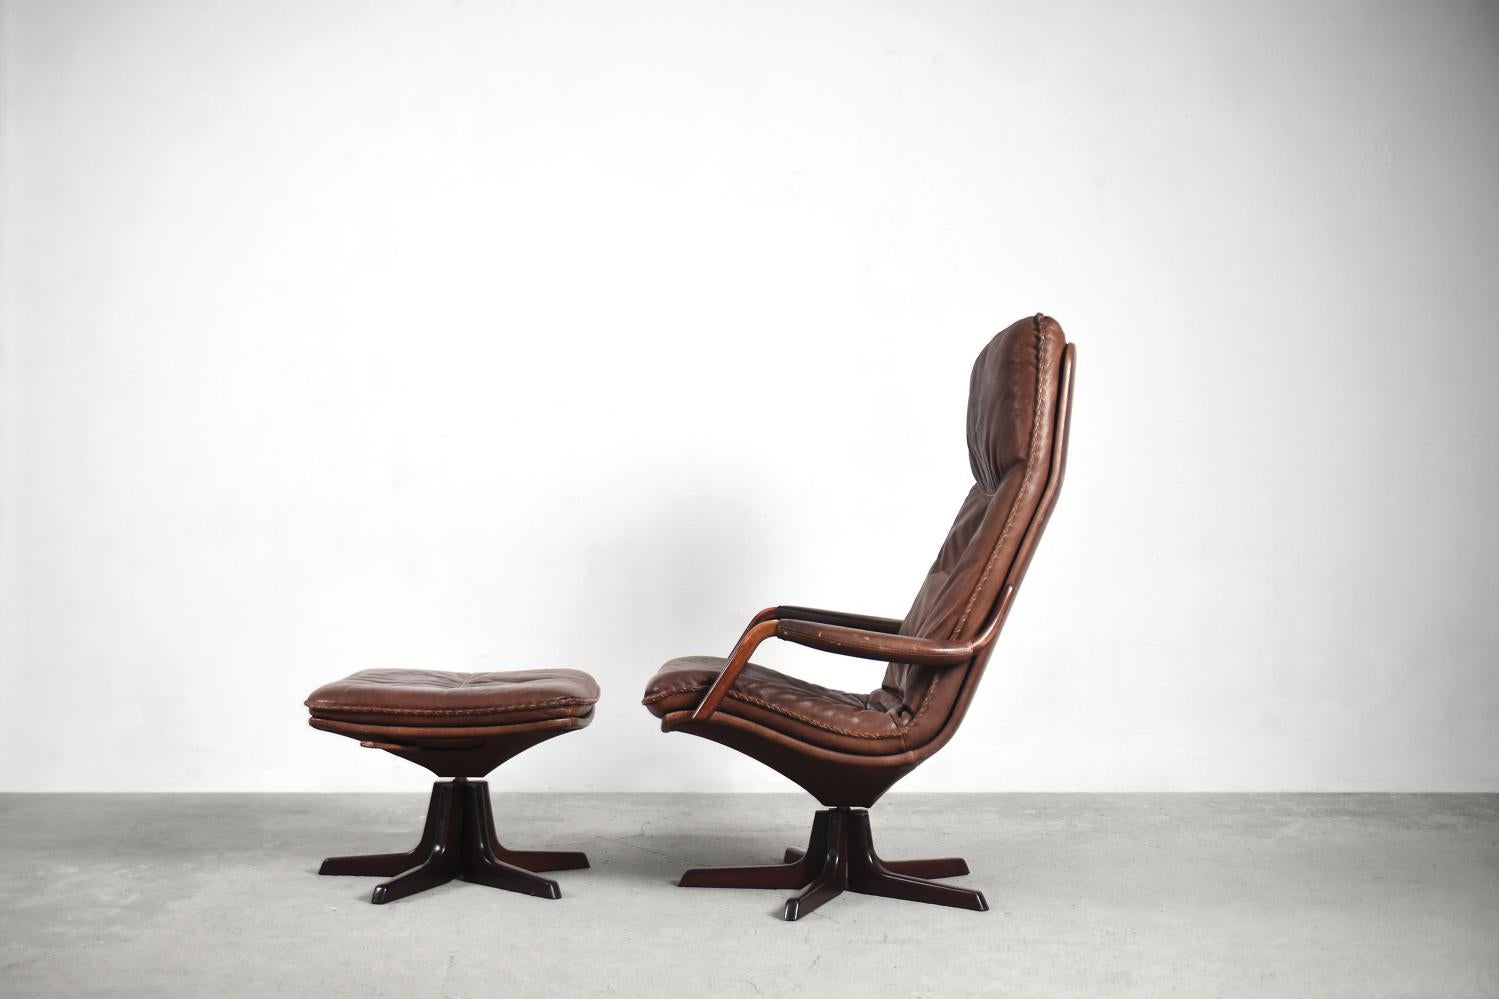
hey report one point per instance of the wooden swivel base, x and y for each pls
(839, 858)
(459, 841)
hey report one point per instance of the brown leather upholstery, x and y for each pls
(1012, 402)
(847, 748)
(815, 714)
(432, 698)
(455, 724)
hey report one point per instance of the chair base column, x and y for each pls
(458, 841)
(840, 857)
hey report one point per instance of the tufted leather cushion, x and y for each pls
(820, 715)
(1012, 398)
(419, 698)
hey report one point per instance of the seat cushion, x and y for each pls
(837, 719)
(422, 698)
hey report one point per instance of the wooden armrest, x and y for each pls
(862, 644)
(866, 622)
(858, 643)
(756, 633)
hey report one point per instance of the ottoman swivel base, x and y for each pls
(459, 841)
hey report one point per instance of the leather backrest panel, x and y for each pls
(1012, 416)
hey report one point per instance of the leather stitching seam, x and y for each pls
(556, 702)
(1030, 471)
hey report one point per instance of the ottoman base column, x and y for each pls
(458, 841)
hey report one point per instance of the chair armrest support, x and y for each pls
(748, 643)
(865, 622)
(858, 643)
(861, 644)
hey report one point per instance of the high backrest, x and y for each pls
(1013, 424)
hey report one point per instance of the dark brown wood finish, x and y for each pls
(868, 622)
(840, 857)
(857, 643)
(458, 841)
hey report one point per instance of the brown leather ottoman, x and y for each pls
(459, 726)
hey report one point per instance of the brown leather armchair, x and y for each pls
(847, 749)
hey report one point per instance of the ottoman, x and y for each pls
(460, 726)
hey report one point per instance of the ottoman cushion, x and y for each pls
(420, 698)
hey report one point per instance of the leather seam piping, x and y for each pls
(1030, 473)
(367, 710)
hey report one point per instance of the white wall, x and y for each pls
(498, 335)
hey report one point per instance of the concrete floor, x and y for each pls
(1091, 895)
